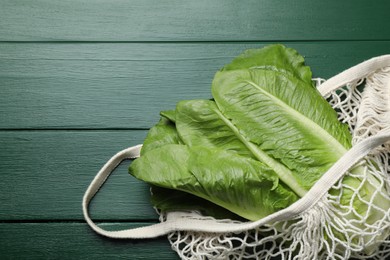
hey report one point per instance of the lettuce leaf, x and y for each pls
(167, 199)
(242, 185)
(284, 118)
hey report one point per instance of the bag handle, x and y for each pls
(180, 222)
(357, 72)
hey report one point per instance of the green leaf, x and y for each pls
(199, 123)
(164, 132)
(285, 118)
(273, 57)
(242, 185)
(169, 114)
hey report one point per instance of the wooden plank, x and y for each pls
(44, 175)
(221, 20)
(75, 241)
(73, 86)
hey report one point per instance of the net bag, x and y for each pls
(316, 226)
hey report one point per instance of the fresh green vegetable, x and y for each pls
(239, 184)
(263, 140)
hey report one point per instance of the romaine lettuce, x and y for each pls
(259, 144)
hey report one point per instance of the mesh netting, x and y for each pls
(351, 221)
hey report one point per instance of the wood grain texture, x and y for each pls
(44, 175)
(87, 86)
(221, 20)
(76, 241)
(81, 80)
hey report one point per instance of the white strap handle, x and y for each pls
(357, 72)
(179, 221)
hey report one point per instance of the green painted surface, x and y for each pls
(76, 241)
(126, 85)
(44, 175)
(81, 80)
(202, 20)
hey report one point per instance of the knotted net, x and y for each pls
(331, 228)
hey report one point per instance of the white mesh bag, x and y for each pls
(314, 227)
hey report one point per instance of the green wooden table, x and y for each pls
(81, 80)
